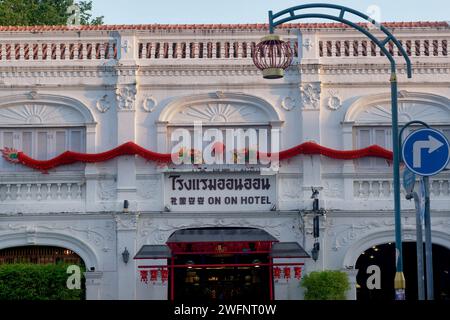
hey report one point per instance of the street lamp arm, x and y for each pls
(290, 14)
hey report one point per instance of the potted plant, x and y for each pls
(326, 285)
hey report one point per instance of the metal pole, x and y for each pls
(428, 241)
(399, 281)
(271, 281)
(419, 244)
(271, 27)
(172, 278)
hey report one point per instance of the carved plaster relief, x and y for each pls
(126, 98)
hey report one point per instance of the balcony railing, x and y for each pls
(430, 47)
(194, 49)
(46, 191)
(39, 50)
(383, 189)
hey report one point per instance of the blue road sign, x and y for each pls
(426, 152)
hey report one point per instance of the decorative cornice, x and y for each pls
(219, 27)
(197, 68)
(373, 69)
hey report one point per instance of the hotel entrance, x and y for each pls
(222, 264)
(222, 277)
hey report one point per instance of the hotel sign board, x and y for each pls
(212, 192)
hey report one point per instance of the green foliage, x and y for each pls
(43, 12)
(37, 282)
(326, 285)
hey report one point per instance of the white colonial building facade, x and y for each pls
(92, 89)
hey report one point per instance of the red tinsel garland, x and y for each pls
(69, 157)
(130, 149)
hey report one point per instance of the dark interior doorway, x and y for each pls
(39, 255)
(224, 279)
(384, 257)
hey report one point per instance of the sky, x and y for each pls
(255, 11)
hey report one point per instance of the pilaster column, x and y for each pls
(161, 136)
(93, 285)
(311, 102)
(126, 132)
(351, 294)
(308, 47)
(126, 96)
(126, 226)
(91, 171)
(349, 166)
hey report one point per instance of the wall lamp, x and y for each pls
(125, 256)
(126, 206)
(315, 251)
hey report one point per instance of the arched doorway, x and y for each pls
(41, 273)
(39, 255)
(383, 256)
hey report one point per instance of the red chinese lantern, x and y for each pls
(164, 275)
(287, 273)
(272, 56)
(277, 273)
(298, 273)
(153, 275)
(144, 276)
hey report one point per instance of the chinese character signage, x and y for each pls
(220, 192)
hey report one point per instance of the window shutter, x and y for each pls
(363, 138)
(61, 144)
(76, 141)
(8, 140)
(27, 142)
(381, 138)
(42, 146)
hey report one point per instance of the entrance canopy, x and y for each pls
(288, 250)
(154, 252)
(222, 240)
(221, 235)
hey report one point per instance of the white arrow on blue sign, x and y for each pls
(426, 152)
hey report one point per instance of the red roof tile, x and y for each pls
(255, 26)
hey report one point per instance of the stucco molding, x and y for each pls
(154, 231)
(232, 99)
(30, 236)
(374, 109)
(34, 105)
(354, 251)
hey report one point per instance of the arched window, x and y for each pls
(223, 113)
(370, 121)
(42, 127)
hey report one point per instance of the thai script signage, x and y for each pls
(220, 192)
